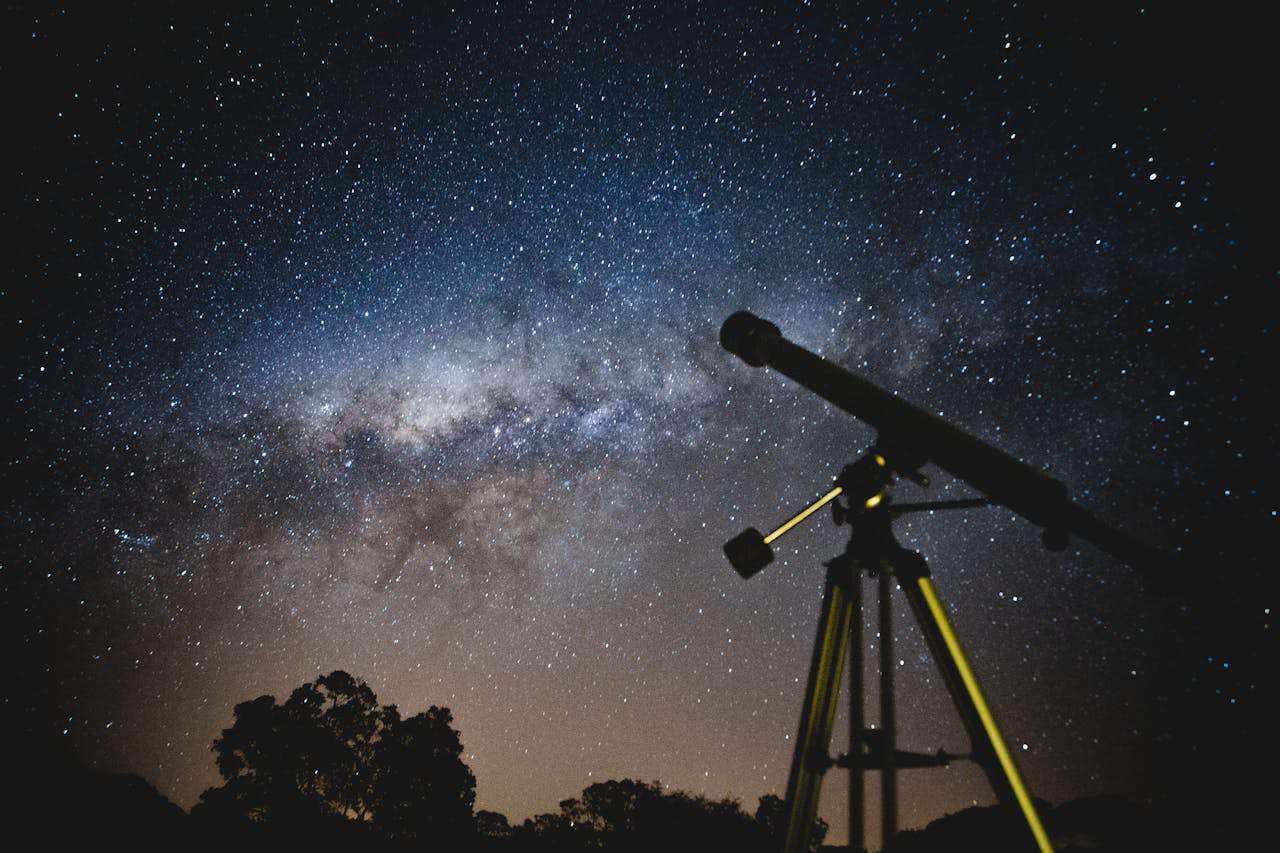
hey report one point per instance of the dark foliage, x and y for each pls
(332, 757)
(771, 815)
(492, 825)
(421, 787)
(331, 767)
(630, 815)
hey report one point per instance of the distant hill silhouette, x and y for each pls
(68, 805)
(987, 828)
(1097, 823)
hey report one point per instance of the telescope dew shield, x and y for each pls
(748, 337)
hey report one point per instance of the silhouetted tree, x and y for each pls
(613, 806)
(275, 760)
(771, 816)
(549, 823)
(349, 711)
(307, 757)
(624, 815)
(492, 824)
(683, 821)
(422, 788)
(331, 752)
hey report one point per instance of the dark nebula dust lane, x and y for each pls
(386, 340)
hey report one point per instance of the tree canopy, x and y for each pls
(332, 751)
(631, 815)
(331, 766)
(330, 760)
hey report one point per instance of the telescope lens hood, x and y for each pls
(747, 336)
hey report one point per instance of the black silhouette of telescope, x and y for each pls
(907, 439)
(919, 437)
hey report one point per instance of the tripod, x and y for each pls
(873, 549)
(917, 436)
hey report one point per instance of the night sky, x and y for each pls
(386, 340)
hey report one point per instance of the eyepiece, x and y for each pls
(746, 336)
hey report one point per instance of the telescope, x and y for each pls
(907, 438)
(916, 437)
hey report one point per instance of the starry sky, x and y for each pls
(385, 339)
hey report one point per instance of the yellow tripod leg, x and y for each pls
(987, 741)
(817, 718)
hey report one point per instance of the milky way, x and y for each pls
(387, 342)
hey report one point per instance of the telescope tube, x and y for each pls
(1027, 491)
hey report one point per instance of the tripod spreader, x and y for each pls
(873, 758)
